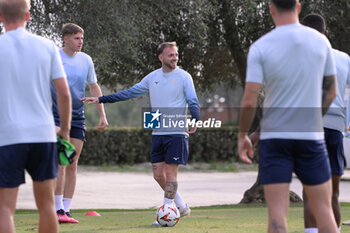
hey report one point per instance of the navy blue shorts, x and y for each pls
(279, 158)
(76, 132)
(171, 149)
(39, 159)
(335, 148)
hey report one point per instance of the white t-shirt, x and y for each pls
(290, 62)
(335, 116)
(28, 63)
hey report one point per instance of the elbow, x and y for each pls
(333, 94)
(248, 103)
(66, 95)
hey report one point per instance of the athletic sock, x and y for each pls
(339, 229)
(167, 200)
(59, 202)
(179, 201)
(311, 230)
(67, 203)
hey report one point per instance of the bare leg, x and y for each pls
(60, 177)
(319, 197)
(71, 170)
(335, 198)
(60, 180)
(159, 173)
(309, 218)
(277, 198)
(171, 180)
(8, 199)
(44, 197)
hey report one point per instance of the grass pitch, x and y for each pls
(217, 219)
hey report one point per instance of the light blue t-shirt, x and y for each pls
(28, 63)
(170, 92)
(290, 62)
(80, 72)
(335, 116)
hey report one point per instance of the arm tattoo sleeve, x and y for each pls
(327, 87)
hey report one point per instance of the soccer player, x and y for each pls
(28, 64)
(296, 66)
(80, 72)
(172, 88)
(334, 125)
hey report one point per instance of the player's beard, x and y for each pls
(171, 65)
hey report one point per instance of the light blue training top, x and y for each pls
(28, 63)
(80, 72)
(335, 116)
(291, 62)
(168, 91)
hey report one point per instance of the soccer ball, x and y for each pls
(168, 215)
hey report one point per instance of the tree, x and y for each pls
(337, 20)
(122, 36)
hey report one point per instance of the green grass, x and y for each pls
(217, 219)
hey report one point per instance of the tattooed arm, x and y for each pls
(329, 92)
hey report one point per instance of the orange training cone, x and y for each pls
(92, 213)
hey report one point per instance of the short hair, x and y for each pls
(71, 28)
(164, 45)
(315, 21)
(284, 5)
(14, 11)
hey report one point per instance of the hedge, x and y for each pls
(132, 146)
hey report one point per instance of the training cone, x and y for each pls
(92, 213)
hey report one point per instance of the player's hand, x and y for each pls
(254, 137)
(245, 149)
(102, 124)
(192, 130)
(90, 100)
(64, 133)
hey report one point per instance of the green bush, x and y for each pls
(130, 146)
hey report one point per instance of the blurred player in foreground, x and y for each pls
(297, 68)
(28, 64)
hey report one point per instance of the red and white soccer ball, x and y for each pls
(168, 215)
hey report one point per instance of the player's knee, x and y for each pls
(72, 167)
(159, 177)
(45, 208)
(61, 168)
(6, 211)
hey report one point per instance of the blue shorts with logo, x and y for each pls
(39, 159)
(279, 158)
(171, 149)
(335, 148)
